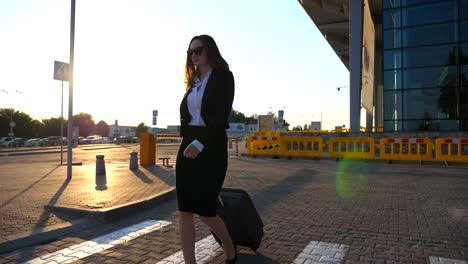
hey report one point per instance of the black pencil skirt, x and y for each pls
(199, 180)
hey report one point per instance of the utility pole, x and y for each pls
(70, 95)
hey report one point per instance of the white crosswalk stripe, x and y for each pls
(205, 250)
(322, 252)
(439, 260)
(88, 248)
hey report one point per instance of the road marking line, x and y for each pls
(90, 247)
(205, 250)
(322, 252)
(439, 260)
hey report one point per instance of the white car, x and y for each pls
(15, 142)
(4, 140)
(92, 139)
(34, 142)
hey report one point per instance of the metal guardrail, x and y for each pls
(301, 146)
(352, 147)
(452, 149)
(419, 149)
(406, 149)
(263, 145)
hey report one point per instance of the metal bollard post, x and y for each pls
(134, 160)
(100, 165)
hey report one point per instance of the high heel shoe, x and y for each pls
(231, 261)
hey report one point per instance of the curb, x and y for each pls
(29, 153)
(96, 216)
(17, 241)
(117, 212)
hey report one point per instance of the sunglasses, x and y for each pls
(197, 51)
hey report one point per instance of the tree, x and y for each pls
(253, 119)
(306, 127)
(102, 128)
(85, 122)
(51, 127)
(236, 117)
(142, 128)
(297, 128)
(24, 126)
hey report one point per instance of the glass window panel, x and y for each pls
(392, 80)
(448, 125)
(464, 76)
(430, 56)
(430, 77)
(464, 54)
(391, 3)
(392, 18)
(392, 38)
(429, 13)
(464, 30)
(416, 2)
(430, 35)
(392, 59)
(421, 125)
(426, 104)
(463, 9)
(392, 105)
(390, 126)
(464, 103)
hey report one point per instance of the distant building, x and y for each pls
(175, 129)
(315, 125)
(408, 60)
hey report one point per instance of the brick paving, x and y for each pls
(381, 213)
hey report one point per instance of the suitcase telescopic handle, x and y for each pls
(220, 200)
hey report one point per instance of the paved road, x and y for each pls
(350, 212)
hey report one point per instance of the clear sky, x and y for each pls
(130, 57)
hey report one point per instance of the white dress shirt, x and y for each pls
(194, 102)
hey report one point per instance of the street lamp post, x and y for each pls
(12, 122)
(70, 94)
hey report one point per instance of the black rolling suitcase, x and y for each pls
(241, 218)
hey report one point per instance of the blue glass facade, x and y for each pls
(425, 65)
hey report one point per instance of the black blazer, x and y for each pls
(215, 108)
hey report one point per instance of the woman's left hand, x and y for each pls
(191, 152)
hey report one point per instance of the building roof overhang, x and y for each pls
(332, 19)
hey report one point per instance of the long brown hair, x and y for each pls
(214, 58)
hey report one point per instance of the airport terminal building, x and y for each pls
(408, 60)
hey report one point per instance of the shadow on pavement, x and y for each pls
(43, 219)
(29, 187)
(142, 176)
(156, 171)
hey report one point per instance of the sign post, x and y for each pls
(155, 117)
(61, 73)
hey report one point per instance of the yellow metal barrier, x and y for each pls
(406, 149)
(452, 149)
(263, 145)
(301, 146)
(352, 147)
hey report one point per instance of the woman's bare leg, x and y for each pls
(187, 235)
(218, 227)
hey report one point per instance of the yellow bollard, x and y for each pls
(147, 149)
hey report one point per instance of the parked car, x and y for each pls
(34, 142)
(5, 139)
(15, 142)
(54, 141)
(92, 139)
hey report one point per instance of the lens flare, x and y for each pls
(351, 176)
